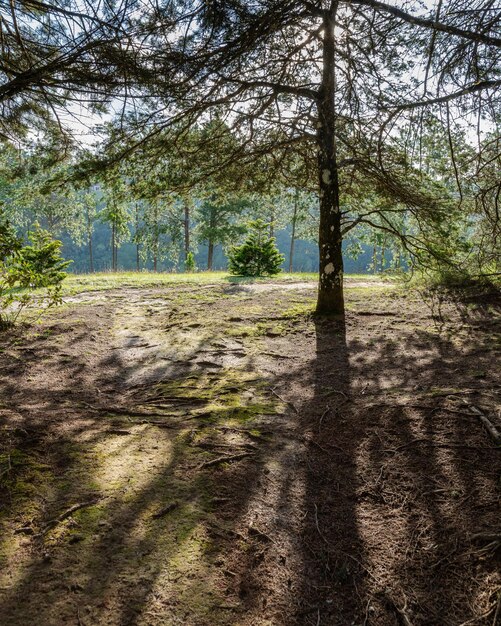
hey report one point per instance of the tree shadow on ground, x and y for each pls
(146, 545)
(399, 479)
(357, 505)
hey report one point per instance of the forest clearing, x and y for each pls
(206, 454)
(250, 312)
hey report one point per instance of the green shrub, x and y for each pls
(29, 273)
(257, 256)
(190, 264)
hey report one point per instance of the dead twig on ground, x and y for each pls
(431, 444)
(60, 518)
(483, 616)
(318, 526)
(402, 614)
(255, 532)
(337, 392)
(497, 614)
(166, 509)
(326, 410)
(211, 445)
(272, 389)
(124, 410)
(488, 425)
(224, 459)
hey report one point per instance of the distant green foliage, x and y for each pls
(190, 263)
(26, 268)
(257, 256)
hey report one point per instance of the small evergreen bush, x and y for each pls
(37, 265)
(257, 256)
(190, 264)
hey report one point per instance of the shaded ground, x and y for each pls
(216, 455)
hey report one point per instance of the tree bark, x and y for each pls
(156, 237)
(330, 289)
(272, 222)
(113, 247)
(186, 222)
(210, 255)
(137, 240)
(89, 240)
(210, 250)
(293, 234)
(91, 255)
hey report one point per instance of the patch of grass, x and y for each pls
(299, 310)
(230, 396)
(77, 283)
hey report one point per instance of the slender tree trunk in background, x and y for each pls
(383, 253)
(374, 259)
(113, 247)
(293, 234)
(330, 289)
(91, 254)
(155, 238)
(137, 239)
(89, 241)
(272, 222)
(186, 222)
(210, 255)
(210, 251)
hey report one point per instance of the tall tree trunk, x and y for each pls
(91, 255)
(156, 237)
(186, 223)
(137, 239)
(113, 247)
(210, 255)
(293, 234)
(210, 251)
(272, 222)
(330, 289)
(89, 241)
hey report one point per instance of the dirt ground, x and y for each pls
(217, 455)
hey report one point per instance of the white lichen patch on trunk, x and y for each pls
(326, 177)
(329, 268)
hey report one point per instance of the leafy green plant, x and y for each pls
(28, 273)
(190, 264)
(258, 255)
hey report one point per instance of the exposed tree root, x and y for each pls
(73, 509)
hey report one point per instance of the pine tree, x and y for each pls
(258, 255)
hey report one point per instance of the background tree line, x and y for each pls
(388, 114)
(126, 223)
